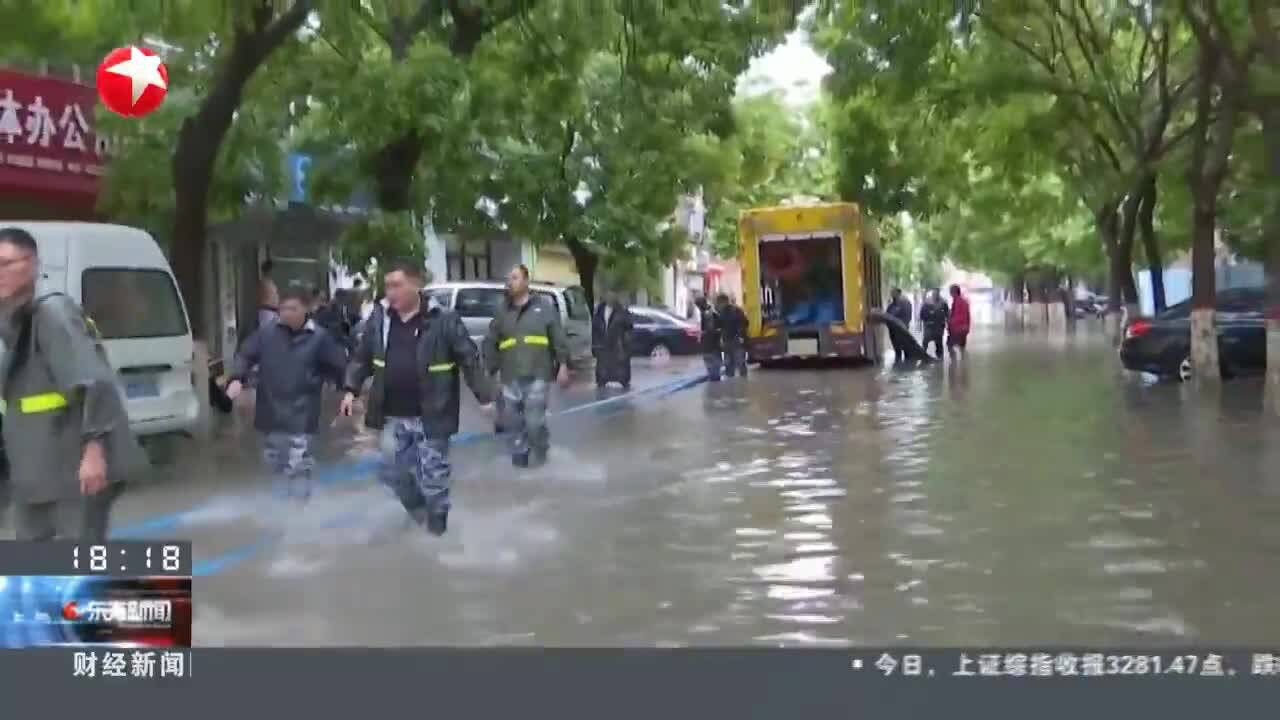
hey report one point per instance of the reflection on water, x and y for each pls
(1033, 495)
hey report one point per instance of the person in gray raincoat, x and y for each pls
(526, 347)
(65, 428)
(611, 326)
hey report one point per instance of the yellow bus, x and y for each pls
(810, 276)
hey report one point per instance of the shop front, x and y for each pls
(51, 160)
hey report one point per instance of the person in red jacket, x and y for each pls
(958, 323)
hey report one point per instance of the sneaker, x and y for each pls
(438, 523)
(521, 460)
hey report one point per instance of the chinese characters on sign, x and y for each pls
(47, 138)
(135, 664)
(1064, 665)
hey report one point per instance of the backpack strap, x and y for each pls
(88, 321)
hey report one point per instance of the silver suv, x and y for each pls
(476, 302)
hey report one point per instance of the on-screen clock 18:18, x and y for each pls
(166, 559)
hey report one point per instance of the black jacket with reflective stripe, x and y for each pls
(445, 354)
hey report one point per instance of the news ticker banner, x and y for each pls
(319, 683)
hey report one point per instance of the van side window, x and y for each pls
(441, 297)
(549, 297)
(132, 303)
(479, 302)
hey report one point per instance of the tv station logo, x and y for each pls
(132, 613)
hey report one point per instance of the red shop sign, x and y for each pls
(47, 142)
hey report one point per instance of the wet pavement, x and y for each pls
(1032, 495)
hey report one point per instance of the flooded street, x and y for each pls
(1033, 495)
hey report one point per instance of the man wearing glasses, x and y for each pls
(65, 428)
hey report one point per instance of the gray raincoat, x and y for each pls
(59, 391)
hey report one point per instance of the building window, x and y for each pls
(469, 260)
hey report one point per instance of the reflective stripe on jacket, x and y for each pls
(445, 354)
(526, 341)
(59, 391)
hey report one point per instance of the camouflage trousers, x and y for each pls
(523, 408)
(415, 467)
(288, 458)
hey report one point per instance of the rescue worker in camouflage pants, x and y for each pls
(525, 346)
(294, 358)
(416, 351)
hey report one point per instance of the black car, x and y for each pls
(659, 334)
(1162, 345)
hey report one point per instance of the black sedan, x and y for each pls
(1162, 345)
(659, 334)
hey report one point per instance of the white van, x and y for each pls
(123, 281)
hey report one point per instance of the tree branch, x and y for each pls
(371, 23)
(430, 11)
(286, 24)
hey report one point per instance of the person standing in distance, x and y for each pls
(416, 352)
(899, 308)
(611, 326)
(66, 430)
(526, 342)
(294, 357)
(958, 323)
(733, 332)
(712, 338)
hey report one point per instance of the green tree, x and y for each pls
(173, 167)
(775, 152)
(595, 153)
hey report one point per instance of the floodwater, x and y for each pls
(1032, 495)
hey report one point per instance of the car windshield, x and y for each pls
(126, 303)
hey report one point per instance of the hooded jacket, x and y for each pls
(445, 354)
(293, 366)
(60, 391)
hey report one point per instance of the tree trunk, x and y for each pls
(1204, 339)
(1151, 243)
(393, 168)
(200, 138)
(1069, 301)
(586, 262)
(394, 165)
(1212, 136)
(1123, 264)
(1108, 224)
(1271, 239)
